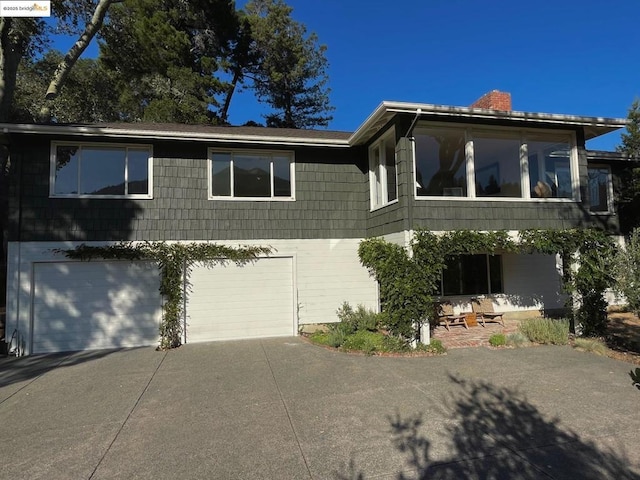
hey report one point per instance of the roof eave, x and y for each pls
(593, 126)
(110, 132)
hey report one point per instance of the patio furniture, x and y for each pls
(483, 308)
(446, 316)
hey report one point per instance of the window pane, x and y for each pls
(549, 169)
(468, 275)
(282, 176)
(221, 174)
(375, 171)
(138, 171)
(390, 166)
(497, 167)
(495, 273)
(599, 189)
(440, 164)
(251, 176)
(102, 171)
(66, 180)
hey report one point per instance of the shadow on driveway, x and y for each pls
(511, 436)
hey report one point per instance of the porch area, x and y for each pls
(475, 336)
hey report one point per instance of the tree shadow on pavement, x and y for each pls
(493, 432)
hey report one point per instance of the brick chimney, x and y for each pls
(494, 100)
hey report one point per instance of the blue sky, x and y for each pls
(565, 56)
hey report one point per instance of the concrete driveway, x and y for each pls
(284, 409)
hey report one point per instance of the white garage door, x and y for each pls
(92, 305)
(230, 302)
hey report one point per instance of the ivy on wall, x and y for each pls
(409, 277)
(175, 261)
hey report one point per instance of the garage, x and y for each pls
(94, 305)
(229, 302)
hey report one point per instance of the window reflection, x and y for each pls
(440, 164)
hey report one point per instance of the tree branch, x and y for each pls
(69, 60)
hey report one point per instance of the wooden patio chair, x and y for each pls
(446, 316)
(483, 308)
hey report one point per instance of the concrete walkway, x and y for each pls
(285, 409)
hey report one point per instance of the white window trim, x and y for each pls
(382, 171)
(232, 198)
(52, 169)
(469, 131)
(610, 210)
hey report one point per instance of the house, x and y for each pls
(311, 195)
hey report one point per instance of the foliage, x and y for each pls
(546, 330)
(175, 261)
(627, 271)
(290, 74)
(167, 57)
(364, 341)
(631, 139)
(517, 339)
(435, 347)
(592, 345)
(359, 319)
(497, 340)
(405, 288)
(89, 94)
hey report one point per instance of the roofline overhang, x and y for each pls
(128, 133)
(593, 126)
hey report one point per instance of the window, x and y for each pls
(382, 171)
(600, 189)
(494, 163)
(472, 275)
(91, 170)
(550, 169)
(497, 166)
(440, 163)
(251, 175)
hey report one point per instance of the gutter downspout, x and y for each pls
(410, 182)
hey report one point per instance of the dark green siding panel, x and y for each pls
(331, 201)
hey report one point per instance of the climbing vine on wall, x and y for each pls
(175, 261)
(408, 278)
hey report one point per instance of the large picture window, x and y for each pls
(382, 171)
(472, 275)
(494, 163)
(440, 164)
(251, 175)
(89, 170)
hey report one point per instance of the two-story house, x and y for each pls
(311, 195)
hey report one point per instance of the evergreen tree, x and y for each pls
(631, 139)
(628, 195)
(291, 72)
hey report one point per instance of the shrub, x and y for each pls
(364, 341)
(517, 339)
(497, 340)
(360, 319)
(546, 330)
(628, 271)
(331, 338)
(592, 345)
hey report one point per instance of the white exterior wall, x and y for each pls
(327, 273)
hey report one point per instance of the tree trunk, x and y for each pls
(224, 115)
(70, 59)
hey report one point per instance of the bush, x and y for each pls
(333, 339)
(546, 330)
(628, 271)
(497, 340)
(592, 345)
(364, 341)
(517, 339)
(360, 319)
